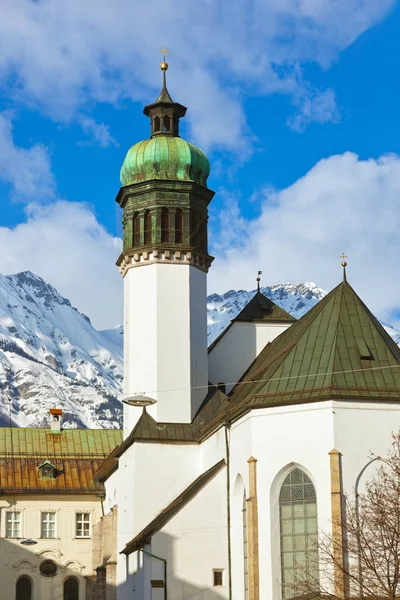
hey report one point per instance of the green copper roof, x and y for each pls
(338, 349)
(165, 157)
(70, 442)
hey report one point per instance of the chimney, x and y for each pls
(55, 420)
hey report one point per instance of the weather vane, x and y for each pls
(258, 280)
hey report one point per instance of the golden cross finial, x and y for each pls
(164, 51)
(343, 257)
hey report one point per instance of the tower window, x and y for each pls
(178, 226)
(298, 528)
(156, 124)
(194, 228)
(218, 577)
(165, 225)
(203, 235)
(167, 123)
(147, 227)
(136, 229)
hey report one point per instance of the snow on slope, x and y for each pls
(51, 355)
(296, 299)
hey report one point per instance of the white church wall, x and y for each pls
(212, 450)
(195, 543)
(165, 340)
(362, 429)
(281, 438)
(238, 348)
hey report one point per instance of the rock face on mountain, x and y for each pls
(52, 356)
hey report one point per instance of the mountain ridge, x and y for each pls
(51, 355)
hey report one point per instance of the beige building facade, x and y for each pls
(50, 504)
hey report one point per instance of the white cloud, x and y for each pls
(62, 54)
(98, 133)
(342, 204)
(64, 243)
(26, 169)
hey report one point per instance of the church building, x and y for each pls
(235, 456)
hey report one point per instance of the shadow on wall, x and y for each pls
(30, 574)
(146, 574)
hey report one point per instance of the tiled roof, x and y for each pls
(172, 509)
(76, 454)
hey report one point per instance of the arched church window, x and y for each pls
(298, 535)
(23, 589)
(167, 123)
(165, 225)
(245, 552)
(178, 226)
(156, 124)
(71, 589)
(136, 229)
(147, 227)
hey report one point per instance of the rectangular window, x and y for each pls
(48, 525)
(82, 525)
(218, 577)
(13, 525)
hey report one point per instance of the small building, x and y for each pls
(49, 505)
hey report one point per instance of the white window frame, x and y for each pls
(82, 522)
(48, 522)
(13, 522)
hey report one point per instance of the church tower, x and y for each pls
(164, 263)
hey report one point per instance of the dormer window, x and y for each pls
(47, 470)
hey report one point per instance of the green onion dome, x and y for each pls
(165, 157)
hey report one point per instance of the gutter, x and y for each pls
(164, 560)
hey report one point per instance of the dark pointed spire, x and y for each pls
(164, 112)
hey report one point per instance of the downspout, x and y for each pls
(164, 560)
(228, 506)
(102, 497)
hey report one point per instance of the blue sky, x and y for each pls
(295, 105)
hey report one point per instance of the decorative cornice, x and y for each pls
(143, 257)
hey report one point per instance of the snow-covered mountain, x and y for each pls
(52, 356)
(296, 299)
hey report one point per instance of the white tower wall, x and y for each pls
(165, 340)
